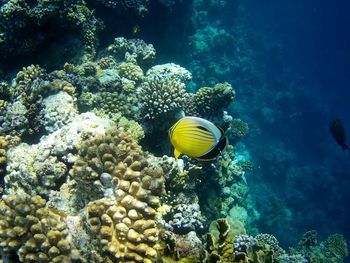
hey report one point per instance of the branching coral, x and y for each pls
(161, 97)
(336, 246)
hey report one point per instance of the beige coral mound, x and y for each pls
(124, 221)
(34, 232)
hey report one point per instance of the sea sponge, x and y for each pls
(36, 233)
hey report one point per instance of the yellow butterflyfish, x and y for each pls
(197, 138)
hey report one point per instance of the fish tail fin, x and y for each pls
(345, 147)
(177, 153)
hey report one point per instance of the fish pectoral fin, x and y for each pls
(177, 153)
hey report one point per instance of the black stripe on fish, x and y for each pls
(215, 151)
(202, 128)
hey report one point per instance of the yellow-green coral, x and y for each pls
(3, 148)
(131, 71)
(22, 85)
(36, 233)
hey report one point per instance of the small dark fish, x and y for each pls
(338, 132)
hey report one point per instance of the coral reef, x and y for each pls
(124, 222)
(210, 102)
(41, 168)
(140, 7)
(90, 187)
(161, 97)
(21, 19)
(35, 232)
(58, 110)
(133, 50)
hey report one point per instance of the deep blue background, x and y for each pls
(313, 41)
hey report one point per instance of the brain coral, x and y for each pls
(124, 220)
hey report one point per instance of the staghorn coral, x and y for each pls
(36, 233)
(210, 102)
(125, 219)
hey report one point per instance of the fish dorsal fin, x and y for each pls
(177, 153)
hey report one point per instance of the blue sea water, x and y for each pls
(289, 63)
(305, 49)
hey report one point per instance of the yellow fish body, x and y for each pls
(197, 138)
